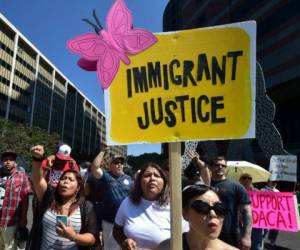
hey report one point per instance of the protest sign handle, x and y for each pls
(175, 184)
(296, 207)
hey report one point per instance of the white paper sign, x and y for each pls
(283, 168)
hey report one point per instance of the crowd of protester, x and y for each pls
(103, 208)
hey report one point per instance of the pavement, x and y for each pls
(285, 241)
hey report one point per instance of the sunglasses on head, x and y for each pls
(246, 178)
(202, 207)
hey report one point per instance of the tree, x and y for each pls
(21, 138)
(138, 161)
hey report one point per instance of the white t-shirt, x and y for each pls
(3, 181)
(147, 223)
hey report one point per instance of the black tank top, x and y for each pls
(185, 245)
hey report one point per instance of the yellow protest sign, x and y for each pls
(191, 85)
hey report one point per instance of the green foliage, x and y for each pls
(138, 161)
(21, 138)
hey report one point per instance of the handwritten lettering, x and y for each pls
(154, 75)
(203, 109)
(273, 210)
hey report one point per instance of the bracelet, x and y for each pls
(74, 238)
(37, 159)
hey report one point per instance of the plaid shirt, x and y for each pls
(17, 189)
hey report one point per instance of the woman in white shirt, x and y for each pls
(143, 219)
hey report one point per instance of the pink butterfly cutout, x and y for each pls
(103, 52)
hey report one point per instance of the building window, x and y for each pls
(5, 64)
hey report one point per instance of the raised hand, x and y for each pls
(104, 147)
(193, 155)
(37, 152)
(50, 161)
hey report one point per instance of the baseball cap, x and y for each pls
(118, 157)
(63, 152)
(9, 152)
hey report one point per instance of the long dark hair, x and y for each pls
(189, 192)
(57, 202)
(137, 192)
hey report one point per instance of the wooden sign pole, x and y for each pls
(175, 186)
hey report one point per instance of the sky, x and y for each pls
(49, 24)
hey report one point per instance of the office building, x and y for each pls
(34, 92)
(278, 46)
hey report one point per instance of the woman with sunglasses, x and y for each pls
(204, 212)
(143, 219)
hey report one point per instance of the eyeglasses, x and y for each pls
(246, 178)
(218, 165)
(202, 207)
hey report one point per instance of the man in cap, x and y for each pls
(56, 164)
(115, 187)
(14, 188)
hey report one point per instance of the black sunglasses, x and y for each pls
(203, 207)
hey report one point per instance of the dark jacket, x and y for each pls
(88, 221)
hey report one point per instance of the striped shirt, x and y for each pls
(51, 240)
